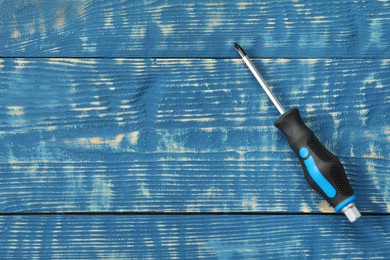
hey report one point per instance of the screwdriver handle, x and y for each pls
(323, 170)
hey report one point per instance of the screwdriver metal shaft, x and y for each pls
(260, 79)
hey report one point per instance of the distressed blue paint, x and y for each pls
(182, 237)
(200, 29)
(188, 135)
(203, 133)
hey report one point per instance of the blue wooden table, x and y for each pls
(132, 129)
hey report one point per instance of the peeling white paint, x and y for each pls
(15, 110)
(133, 137)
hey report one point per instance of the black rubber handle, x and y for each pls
(323, 170)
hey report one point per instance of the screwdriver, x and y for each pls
(322, 169)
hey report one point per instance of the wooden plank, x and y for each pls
(70, 28)
(185, 134)
(190, 237)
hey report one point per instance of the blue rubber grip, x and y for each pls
(315, 173)
(344, 203)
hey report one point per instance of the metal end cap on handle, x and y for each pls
(351, 212)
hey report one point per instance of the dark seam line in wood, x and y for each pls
(174, 213)
(192, 58)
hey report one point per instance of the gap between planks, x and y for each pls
(190, 58)
(153, 213)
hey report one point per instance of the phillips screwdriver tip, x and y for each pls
(240, 50)
(259, 78)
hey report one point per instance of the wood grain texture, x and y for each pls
(158, 28)
(185, 135)
(97, 115)
(194, 237)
